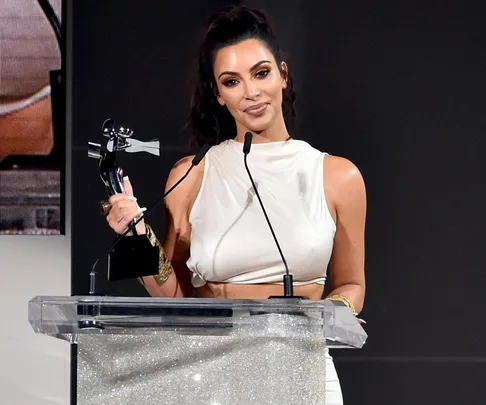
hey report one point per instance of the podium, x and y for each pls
(142, 351)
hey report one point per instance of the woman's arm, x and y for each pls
(346, 190)
(176, 242)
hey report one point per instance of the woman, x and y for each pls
(217, 241)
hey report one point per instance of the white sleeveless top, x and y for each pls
(231, 241)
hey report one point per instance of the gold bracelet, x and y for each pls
(343, 299)
(151, 235)
(165, 266)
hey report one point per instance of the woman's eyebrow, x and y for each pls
(227, 72)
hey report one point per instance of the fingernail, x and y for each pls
(130, 197)
(143, 209)
(125, 178)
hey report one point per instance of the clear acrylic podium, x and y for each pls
(142, 351)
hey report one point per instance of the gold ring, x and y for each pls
(105, 207)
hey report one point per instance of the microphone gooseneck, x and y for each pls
(287, 278)
(195, 161)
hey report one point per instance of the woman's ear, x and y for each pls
(220, 100)
(284, 72)
(216, 94)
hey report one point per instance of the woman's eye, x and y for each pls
(263, 73)
(230, 83)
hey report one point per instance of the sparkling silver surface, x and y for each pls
(245, 365)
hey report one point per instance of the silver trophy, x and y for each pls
(119, 139)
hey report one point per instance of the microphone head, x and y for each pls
(202, 152)
(247, 144)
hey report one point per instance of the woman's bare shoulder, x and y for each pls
(183, 196)
(337, 166)
(342, 179)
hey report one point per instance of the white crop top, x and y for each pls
(230, 239)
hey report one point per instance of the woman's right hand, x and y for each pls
(124, 210)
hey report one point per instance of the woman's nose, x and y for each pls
(252, 91)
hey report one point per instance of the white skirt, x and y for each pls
(334, 394)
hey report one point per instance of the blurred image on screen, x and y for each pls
(30, 185)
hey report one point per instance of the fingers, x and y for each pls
(123, 212)
(121, 197)
(124, 209)
(127, 186)
(121, 224)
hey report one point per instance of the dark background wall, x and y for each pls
(397, 87)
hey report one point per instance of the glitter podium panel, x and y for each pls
(269, 359)
(143, 350)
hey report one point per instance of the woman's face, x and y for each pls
(250, 84)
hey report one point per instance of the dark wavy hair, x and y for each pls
(212, 123)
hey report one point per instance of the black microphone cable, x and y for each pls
(287, 278)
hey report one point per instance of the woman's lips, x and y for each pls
(256, 109)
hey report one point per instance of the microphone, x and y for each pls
(142, 242)
(287, 278)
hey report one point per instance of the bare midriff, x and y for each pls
(256, 291)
